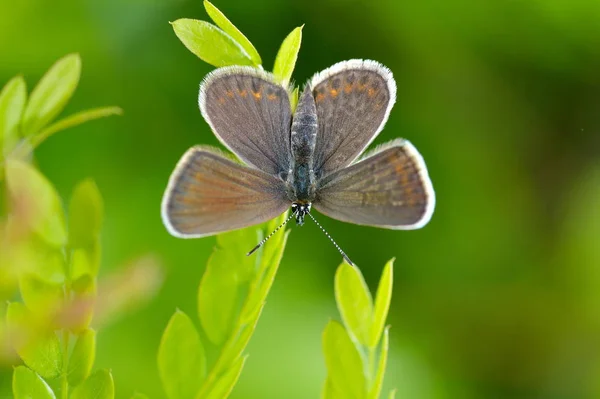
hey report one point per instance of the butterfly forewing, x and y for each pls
(250, 114)
(209, 194)
(389, 189)
(353, 100)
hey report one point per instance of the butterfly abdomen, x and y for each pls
(303, 140)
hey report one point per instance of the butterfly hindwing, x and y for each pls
(209, 194)
(389, 189)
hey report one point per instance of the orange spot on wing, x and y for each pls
(243, 93)
(272, 97)
(221, 100)
(333, 93)
(361, 87)
(229, 93)
(320, 97)
(371, 92)
(348, 88)
(257, 94)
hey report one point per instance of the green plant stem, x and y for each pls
(66, 335)
(64, 381)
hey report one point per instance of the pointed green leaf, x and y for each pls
(26, 384)
(41, 297)
(294, 99)
(39, 350)
(227, 270)
(270, 258)
(287, 56)
(354, 301)
(39, 204)
(82, 357)
(85, 215)
(382, 303)
(383, 354)
(99, 385)
(181, 359)
(72, 121)
(218, 299)
(12, 104)
(222, 22)
(224, 385)
(344, 363)
(210, 43)
(51, 94)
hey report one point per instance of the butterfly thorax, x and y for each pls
(301, 182)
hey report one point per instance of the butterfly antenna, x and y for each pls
(260, 244)
(331, 239)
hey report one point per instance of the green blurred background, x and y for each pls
(498, 297)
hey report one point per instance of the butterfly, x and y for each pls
(303, 159)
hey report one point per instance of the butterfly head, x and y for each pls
(300, 210)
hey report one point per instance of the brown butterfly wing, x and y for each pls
(208, 194)
(353, 100)
(389, 189)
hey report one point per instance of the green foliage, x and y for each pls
(287, 56)
(181, 358)
(12, 103)
(82, 357)
(56, 266)
(52, 93)
(224, 44)
(28, 385)
(356, 352)
(25, 124)
(44, 209)
(99, 385)
(222, 22)
(231, 296)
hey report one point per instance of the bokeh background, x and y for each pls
(498, 297)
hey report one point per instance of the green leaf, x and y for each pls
(224, 385)
(138, 395)
(222, 22)
(392, 394)
(82, 357)
(378, 381)
(85, 261)
(382, 303)
(51, 94)
(181, 359)
(294, 99)
(85, 215)
(99, 385)
(227, 270)
(210, 43)
(72, 121)
(344, 363)
(41, 297)
(26, 384)
(12, 103)
(39, 350)
(354, 301)
(330, 391)
(39, 204)
(287, 56)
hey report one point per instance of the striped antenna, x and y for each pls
(260, 244)
(334, 243)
